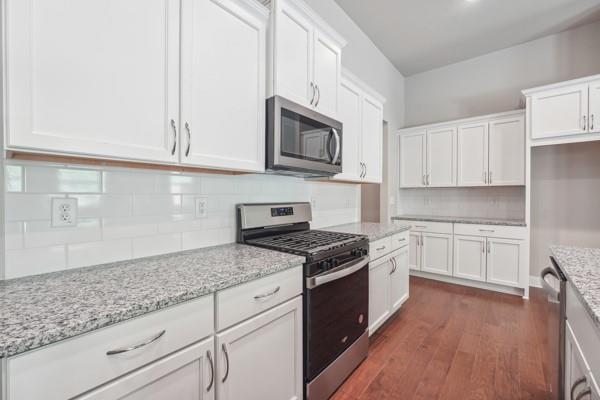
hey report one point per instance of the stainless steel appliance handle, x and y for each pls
(337, 273)
(547, 288)
(174, 137)
(338, 146)
(136, 346)
(224, 348)
(212, 370)
(189, 132)
(576, 384)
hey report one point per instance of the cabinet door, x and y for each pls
(594, 113)
(473, 154)
(223, 85)
(399, 279)
(414, 251)
(187, 375)
(93, 77)
(504, 261)
(372, 139)
(507, 151)
(261, 359)
(412, 159)
(559, 112)
(436, 253)
(379, 292)
(293, 39)
(327, 75)
(469, 257)
(350, 116)
(576, 368)
(441, 157)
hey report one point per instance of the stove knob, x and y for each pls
(334, 263)
(324, 265)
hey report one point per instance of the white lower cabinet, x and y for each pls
(580, 382)
(469, 257)
(504, 261)
(388, 286)
(414, 258)
(186, 375)
(436, 253)
(261, 359)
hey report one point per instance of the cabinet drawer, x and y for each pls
(587, 334)
(241, 302)
(69, 368)
(380, 248)
(497, 231)
(399, 240)
(433, 227)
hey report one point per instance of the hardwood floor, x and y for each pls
(455, 342)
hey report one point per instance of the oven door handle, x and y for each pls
(337, 273)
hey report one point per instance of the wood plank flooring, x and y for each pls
(453, 342)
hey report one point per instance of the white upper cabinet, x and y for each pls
(441, 157)
(93, 77)
(473, 155)
(372, 140)
(305, 58)
(559, 112)
(361, 113)
(507, 151)
(594, 99)
(223, 89)
(413, 147)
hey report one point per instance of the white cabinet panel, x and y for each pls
(507, 151)
(436, 253)
(472, 154)
(594, 107)
(504, 261)
(399, 279)
(559, 112)
(93, 77)
(379, 292)
(327, 74)
(372, 140)
(223, 85)
(412, 159)
(293, 48)
(576, 368)
(441, 157)
(185, 375)
(350, 116)
(414, 247)
(261, 359)
(470, 257)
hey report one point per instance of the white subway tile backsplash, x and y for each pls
(153, 245)
(125, 213)
(92, 253)
(34, 261)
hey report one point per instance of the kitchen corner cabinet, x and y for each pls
(168, 81)
(305, 58)
(361, 112)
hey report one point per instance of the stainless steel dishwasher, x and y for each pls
(554, 283)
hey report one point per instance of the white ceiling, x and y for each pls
(419, 35)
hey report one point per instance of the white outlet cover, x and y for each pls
(201, 206)
(64, 212)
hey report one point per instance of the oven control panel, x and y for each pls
(282, 211)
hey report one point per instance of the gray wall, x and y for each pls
(493, 82)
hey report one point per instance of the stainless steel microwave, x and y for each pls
(300, 141)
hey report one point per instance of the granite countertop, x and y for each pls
(462, 220)
(43, 309)
(582, 268)
(373, 230)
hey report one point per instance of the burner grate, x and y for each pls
(306, 242)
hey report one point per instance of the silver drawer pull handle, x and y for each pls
(380, 248)
(174, 137)
(487, 230)
(189, 132)
(420, 226)
(224, 348)
(402, 240)
(269, 294)
(576, 384)
(212, 370)
(586, 392)
(136, 346)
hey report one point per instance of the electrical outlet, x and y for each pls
(64, 212)
(201, 205)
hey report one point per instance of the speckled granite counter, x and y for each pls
(462, 220)
(582, 268)
(39, 310)
(371, 229)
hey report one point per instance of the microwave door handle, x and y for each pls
(328, 146)
(338, 146)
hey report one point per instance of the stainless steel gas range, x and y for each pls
(336, 288)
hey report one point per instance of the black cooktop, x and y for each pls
(306, 243)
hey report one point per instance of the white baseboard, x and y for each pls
(535, 281)
(475, 284)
